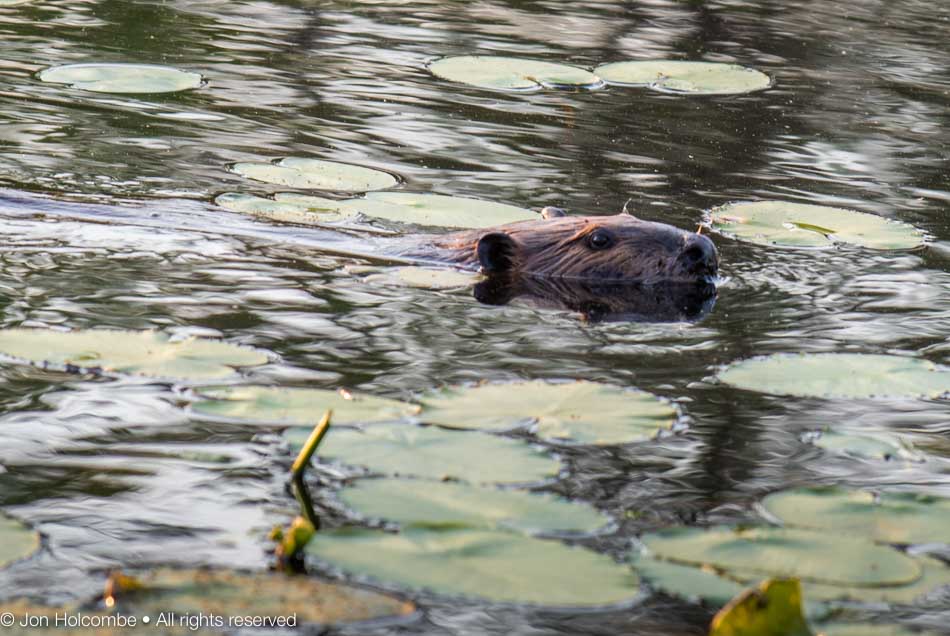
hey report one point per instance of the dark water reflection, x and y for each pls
(115, 474)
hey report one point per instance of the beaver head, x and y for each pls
(619, 248)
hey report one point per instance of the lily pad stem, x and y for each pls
(316, 436)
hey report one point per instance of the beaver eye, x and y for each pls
(599, 240)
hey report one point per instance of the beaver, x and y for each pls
(605, 249)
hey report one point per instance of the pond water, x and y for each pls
(115, 474)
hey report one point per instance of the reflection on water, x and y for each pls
(603, 302)
(116, 474)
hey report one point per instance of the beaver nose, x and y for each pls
(699, 256)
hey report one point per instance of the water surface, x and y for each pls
(116, 475)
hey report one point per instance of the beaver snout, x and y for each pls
(699, 256)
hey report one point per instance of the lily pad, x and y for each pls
(880, 446)
(497, 566)
(866, 629)
(816, 557)
(696, 78)
(16, 541)
(902, 518)
(426, 451)
(297, 406)
(279, 210)
(934, 575)
(416, 503)
(316, 174)
(436, 278)
(686, 581)
(233, 594)
(233, 597)
(841, 375)
(789, 224)
(146, 353)
(400, 207)
(512, 73)
(439, 210)
(584, 412)
(122, 78)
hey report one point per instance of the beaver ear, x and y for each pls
(625, 210)
(497, 252)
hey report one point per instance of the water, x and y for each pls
(114, 474)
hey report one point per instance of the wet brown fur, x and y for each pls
(640, 251)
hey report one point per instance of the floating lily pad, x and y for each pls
(148, 353)
(774, 608)
(400, 207)
(279, 210)
(697, 78)
(934, 576)
(704, 582)
(298, 406)
(783, 552)
(232, 597)
(16, 541)
(686, 581)
(432, 452)
(844, 375)
(889, 517)
(512, 73)
(438, 210)
(229, 593)
(316, 174)
(802, 225)
(497, 566)
(866, 629)
(417, 503)
(122, 78)
(584, 412)
(426, 277)
(881, 446)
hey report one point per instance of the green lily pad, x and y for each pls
(696, 78)
(934, 575)
(584, 412)
(497, 566)
(400, 207)
(815, 557)
(686, 581)
(231, 596)
(432, 452)
(694, 582)
(881, 446)
(440, 211)
(146, 353)
(425, 504)
(842, 375)
(436, 278)
(281, 210)
(512, 73)
(802, 225)
(229, 593)
(316, 174)
(298, 406)
(122, 78)
(866, 629)
(16, 541)
(890, 517)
